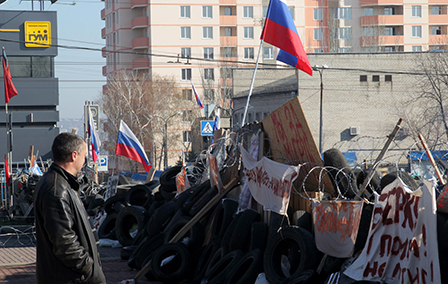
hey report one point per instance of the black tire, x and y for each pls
(217, 256)
(224, 217)
(130, 219)
(193, 239)
(277, 221)
(218, 272)
(139, 195)
(183, 197)
(160, 218)
(405, 177)
(297, 245)
(122, 180)
(306, 277)
(126, 252)
(197, 194)
(373, 185)
(107, 228)
(241, 234)
(204, 259)
(175, 270)
(152, 184)
(94, 201)
(340, 173)
(303, 219)
(154, 205)
(205, 198)
(156, 192)
(246, 270)
(167, 195)
(132, 258)
(149, 246)
(229, 232)
(168, 178)
(258, 236)
(109, 204)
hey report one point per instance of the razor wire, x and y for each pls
(18, 238)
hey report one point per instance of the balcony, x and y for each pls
(227, 20)
(380, 2)
(140, 22)
(438, 19)
(104, 70)
(227, 2)
(139, 4)
(103, 52)
(438, 39)
(103, 14)
(381, 40)
(228, 41)
(382, 20)
(140, 43)
(141, 63)
(103, 33)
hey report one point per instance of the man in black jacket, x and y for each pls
(66, 246)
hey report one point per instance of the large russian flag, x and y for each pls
(94, 138)
(129, 146)
(280, 31)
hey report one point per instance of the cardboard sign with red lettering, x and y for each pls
(182, 182)
(269, 182)
(215, 178)
(336, 226)
(402, 242)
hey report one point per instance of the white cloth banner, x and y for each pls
(402, 242)
(269, 182)
(336, 226)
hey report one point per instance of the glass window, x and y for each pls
(185, 52)
(185, 32)
(185, 11)
(187, 94)
(417, 48)
(417, 11)
(268, 53)
(344, 50)
(318, 34)
(207, 12)
(265, 11)
(41, 67)
(186, 136)
(248, 12)
(207, 32)
(248, 53)
(258, 116)
(227, 11)
(345, 33)
(209, 95)
(318, 50)
(437, 30)
(186, 74)
(389, 31)
(387, 49)
(228, 32)
(436, 10)
(19, 66)
(368, 11)
(208, 52)
(209, 74)
(292, 11)
(317, 14)
(368, 31)
(187, 115)
(228, 52)
(416, 31)
(345, 13)
(389, 11)
(248, 32)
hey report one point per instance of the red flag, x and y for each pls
(10, 90)
(7, 174)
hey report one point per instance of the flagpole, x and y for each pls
(252, 84)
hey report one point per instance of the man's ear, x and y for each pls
(73, 156)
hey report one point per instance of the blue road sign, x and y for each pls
(207, 127)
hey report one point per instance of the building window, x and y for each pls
(389, 31)
(248, 12)
(185, 33)
(228, 52)
(389, 11)
(186, 74)
(187, 115)
(389, 48)
(248, 32)
(209, 74)
(207, 32)
(363, 78)
(185, 11)
(248, 53)
(268, 53)
(208, 52)
(345, 33)
(250, 117)
(187, 94)
(369, 31)
(375, 78)
(185, 52)
(368, 11)
(228, 32)
(186, 136)
(344, 50)
(388, 78)
(258, 116)
(292, 11)
(318, 14)
(436, 10)
(343, 13)
(318, 34)
(209, 95)
(227, 11)
(207, 12)
(417, 48)
(265, 11)
(318, 50)
(416, 31)
(417, 11)
(437, 30)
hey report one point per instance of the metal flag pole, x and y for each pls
(252, 84)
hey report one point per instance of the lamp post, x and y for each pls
(320, 69)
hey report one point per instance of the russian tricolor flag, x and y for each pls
(198, 100)
(280, 31)
(129, 146)
(94, 138)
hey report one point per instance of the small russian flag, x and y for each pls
(198, 100)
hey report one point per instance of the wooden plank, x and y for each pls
(192, 222)
(431, 159)
(293, 141)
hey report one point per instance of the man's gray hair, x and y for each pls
(64, 145)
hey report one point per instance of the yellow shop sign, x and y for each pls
(37, 34)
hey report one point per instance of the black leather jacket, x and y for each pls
(66, 246)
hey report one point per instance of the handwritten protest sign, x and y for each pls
(269, 182)
(336, 226)
(182, 182)
(402, 243)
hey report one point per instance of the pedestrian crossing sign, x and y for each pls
(207, 127)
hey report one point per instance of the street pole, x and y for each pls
(165, 150)
(321, 111)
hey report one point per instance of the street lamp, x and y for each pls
(320, 69)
